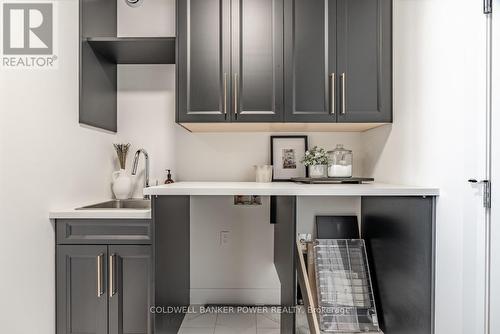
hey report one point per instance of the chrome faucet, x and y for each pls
(146, 169)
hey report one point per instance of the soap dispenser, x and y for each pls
(169, 177)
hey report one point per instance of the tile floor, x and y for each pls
(232, 322)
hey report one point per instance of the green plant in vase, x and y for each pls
(316, 160)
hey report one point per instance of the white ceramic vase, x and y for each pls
(317, 171)
(122, 184)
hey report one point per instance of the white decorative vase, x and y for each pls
(122, 184)
(318, 171)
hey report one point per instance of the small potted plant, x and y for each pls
(316, 160)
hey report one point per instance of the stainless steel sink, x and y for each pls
(139, 204)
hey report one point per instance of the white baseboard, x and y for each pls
(235, 296)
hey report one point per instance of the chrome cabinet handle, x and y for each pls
(236, 93)
(225, 93)
(343, 93)
(112, 289)
(99, 275)
(332, 94)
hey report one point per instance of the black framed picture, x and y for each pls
(287, 152)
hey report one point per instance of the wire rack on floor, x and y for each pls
(345, 293)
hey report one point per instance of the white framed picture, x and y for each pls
(287, 153)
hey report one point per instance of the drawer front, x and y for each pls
(104, 231)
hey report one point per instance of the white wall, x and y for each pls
(241, 271)
(231, 156)
(438, 139)
(146, 118)
(146, 93)
(154, 18)
(47, 161)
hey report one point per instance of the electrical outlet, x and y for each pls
(224, 238)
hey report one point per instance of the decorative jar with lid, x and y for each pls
(340, 162)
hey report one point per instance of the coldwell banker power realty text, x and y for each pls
(27, 34)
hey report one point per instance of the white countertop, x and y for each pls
(101, 214)
(288, 188)
(247, 188)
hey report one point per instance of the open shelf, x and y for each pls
(135, 50)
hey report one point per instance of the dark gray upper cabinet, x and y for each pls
(257, 60)
(338, 61)
(364, 60)
(203, 62)
(130, 289)
(82, 299)
(135, 50)
(97, 82)
(310, 60)
(230, 55)
(101, 51)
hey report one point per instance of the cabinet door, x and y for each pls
(130, 289)
(310, 60)
(203, 60)
(82, 300)
(257, 62)
(364, 56)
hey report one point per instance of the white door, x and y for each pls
(494, 251)
(492, 225)
(476, 255)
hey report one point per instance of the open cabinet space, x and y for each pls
(232, 253)
(232, 246)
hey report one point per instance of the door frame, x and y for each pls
(492, 235)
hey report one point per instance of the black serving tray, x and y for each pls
(333, 180)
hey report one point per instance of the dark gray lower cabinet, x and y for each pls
(131, 290)
(399, 232)
(285, 233)
(82, 299)
(104, 289)
(400, 241)
(171, 220)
